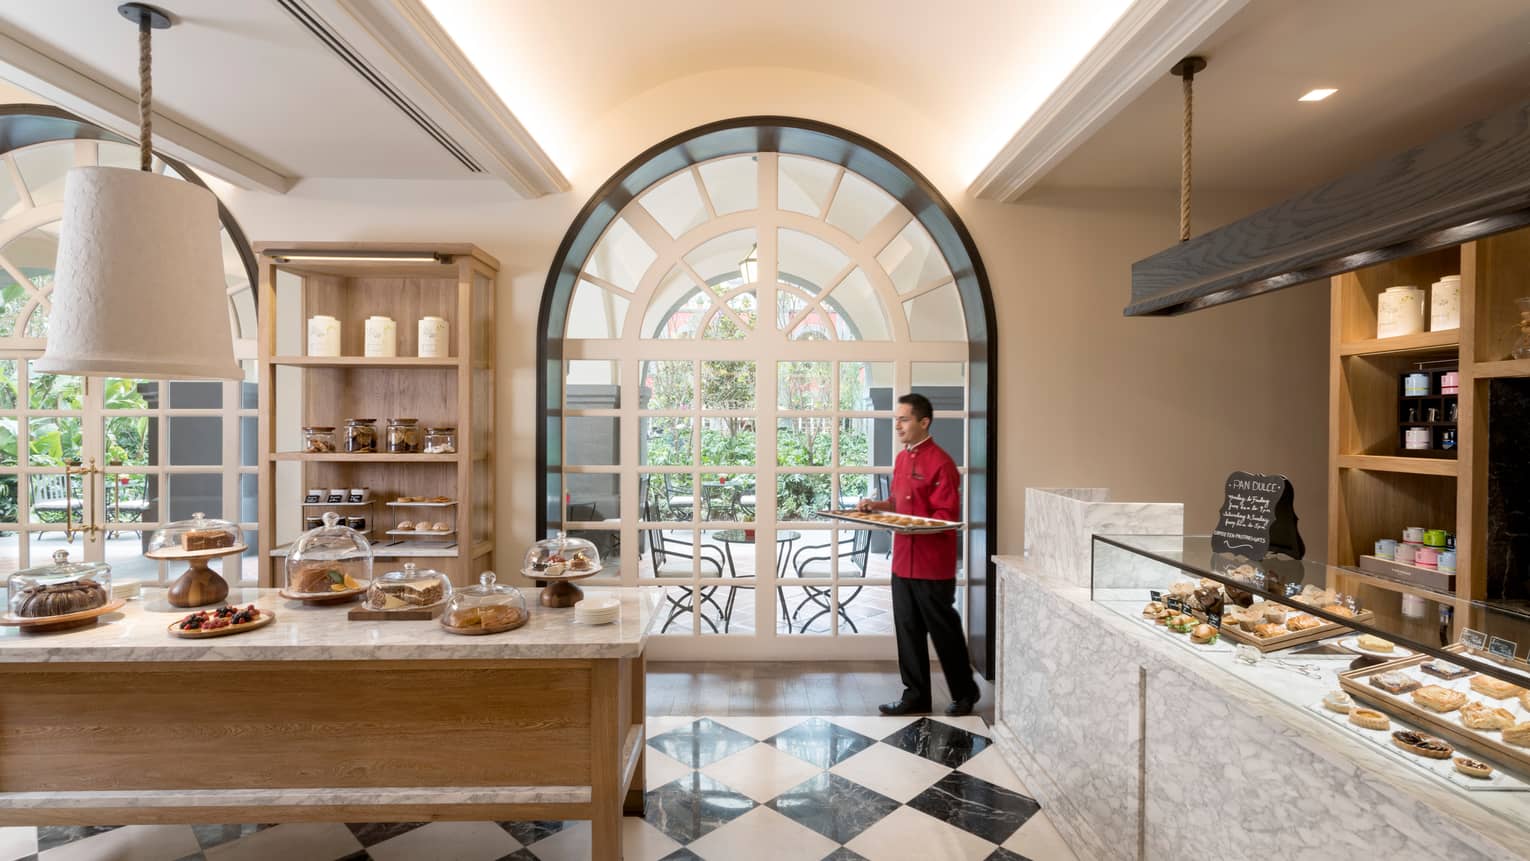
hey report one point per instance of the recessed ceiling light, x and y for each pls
(1317, 95)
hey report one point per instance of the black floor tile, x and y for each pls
(51, 836)
(837, 808)
(209, 836)
(373, 833)
(527, 833)
(821, 743)
(843, 854)
(1002, 854)
(522, 854)
(701, 743)
(938, 742)
(977, 806)
(681, 854)
(689, 808)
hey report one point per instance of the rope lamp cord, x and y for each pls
(145, 97)
(1186, 70)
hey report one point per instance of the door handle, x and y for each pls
(87, 486)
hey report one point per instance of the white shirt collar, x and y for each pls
(917, 444)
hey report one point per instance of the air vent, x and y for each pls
(340, 49)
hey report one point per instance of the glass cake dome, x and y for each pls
(196, 535)
(487, 608)
(412, 588)
(561, 556)
(330, 561)
(59, 589)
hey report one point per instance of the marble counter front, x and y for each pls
(139, 632)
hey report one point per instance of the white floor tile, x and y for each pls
(906, 833)
(873, 726)
(762, 834)
(133, 843)
(661, 768)
(17, 842)
(1038, 839)
(659, 724)
(760, 728)
(640, 842)
(990, 766)
(897, 774)
(761, 772)
(448, 841)
(298, 841)
(970, 723)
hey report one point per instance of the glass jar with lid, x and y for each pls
(319, 439)
(412, 588)
(331, 563)
(404, 436)
(198, 541)
(487, 608)
(441, 440)
(361, 435)
(561, 556)
(60, 589)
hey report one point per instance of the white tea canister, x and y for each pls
(323, 336)
(382, 337)
(434, 337)
(1400, 311)
(1445, 304)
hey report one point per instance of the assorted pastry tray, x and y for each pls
(904, 523)
(1290, 631)
(1465, 707)
(1445, 769)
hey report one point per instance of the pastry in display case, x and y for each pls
(412, 588)
(59, 596)
(328, 565)
(561, 559)
(197, 542)
(487, 608)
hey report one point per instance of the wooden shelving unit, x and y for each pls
(1373, 491)
(458, 391)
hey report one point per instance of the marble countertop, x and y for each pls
(139, 632)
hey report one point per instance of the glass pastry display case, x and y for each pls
(59, 595)
(196, 541)
(1436, 681)
(560, 559)
(488, 608)
(330, 564)
(410, 588)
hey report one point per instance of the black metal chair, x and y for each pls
(815, 561)
(666, 553)
(677, 502)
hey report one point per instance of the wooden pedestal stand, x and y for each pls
(560, 593)
(199, 585)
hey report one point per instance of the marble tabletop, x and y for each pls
(139, 632)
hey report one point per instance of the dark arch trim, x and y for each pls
(892, 174)
(23, 125)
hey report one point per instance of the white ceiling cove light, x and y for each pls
(139, 290)
(1317, 95)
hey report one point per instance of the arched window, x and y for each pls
(726, 330)
(168, 449)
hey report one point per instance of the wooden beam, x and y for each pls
(1471, 183)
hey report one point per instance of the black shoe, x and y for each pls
(961, 707)
(903, 707)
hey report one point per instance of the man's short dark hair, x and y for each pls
(919, 405)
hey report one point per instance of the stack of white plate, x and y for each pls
(597, 609)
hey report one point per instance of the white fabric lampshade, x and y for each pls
(138, 290)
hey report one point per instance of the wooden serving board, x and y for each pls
(412, 614)
(266, 618)
(211, 553)
(62, 622)
(1447, 725)
(1292, 638)
(860, 519)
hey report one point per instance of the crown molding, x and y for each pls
(1139, 48)
(102, 104)
(404, 42)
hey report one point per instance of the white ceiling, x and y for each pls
(1406, 71)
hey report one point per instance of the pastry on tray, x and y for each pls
(1395, 682)
(320, 577)
(1524, 700)
(1473, 768)
(1182, 623)
(206, 539)
(1374, 644)
(1152, 609)
(1475, 715)
(1423, 745)
(1338, 701)
(1163, 616)
(1368, 718)
(1269, 629)
(58, 599)
(487, 617)
(1518, 734)
(1203, 634)
(1442, 670)
(1439, 699)
(1498, 689)
(1339, 610)
(1303, 622)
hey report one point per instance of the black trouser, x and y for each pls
(927, 607)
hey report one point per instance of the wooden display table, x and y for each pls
(316, 718)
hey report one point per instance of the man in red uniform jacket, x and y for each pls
(925, 484)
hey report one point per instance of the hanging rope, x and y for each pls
(1186, 70)
(145, 98)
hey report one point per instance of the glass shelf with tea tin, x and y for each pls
(1428, 407)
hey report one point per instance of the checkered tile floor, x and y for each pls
(719, 789)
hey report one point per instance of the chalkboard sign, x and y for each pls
(1155, 595)
(1174, 604)
(1498, 647)
(1474, 639)
(1258, 518)
(1214, 620)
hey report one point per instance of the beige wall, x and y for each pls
(1156, 409)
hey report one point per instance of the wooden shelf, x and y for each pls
(354, 457)
(1410, 465)
(1399, 586)
(1501, 370)
(1420, 343)
(362, 362)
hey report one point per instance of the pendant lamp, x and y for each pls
(138, 290)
